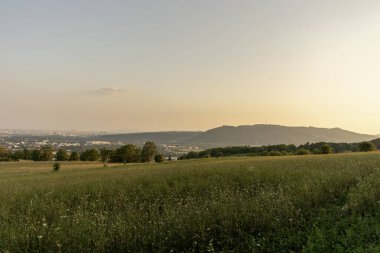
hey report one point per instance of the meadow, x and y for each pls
(319, 203)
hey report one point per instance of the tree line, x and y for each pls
(132, 154)
(282, 149)
(125, 154)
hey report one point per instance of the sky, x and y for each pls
(189, 65)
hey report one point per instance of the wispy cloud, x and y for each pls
(107, 91)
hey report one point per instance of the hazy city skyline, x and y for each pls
(189, 65)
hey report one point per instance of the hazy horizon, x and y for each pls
(189, 65)
(131, 131)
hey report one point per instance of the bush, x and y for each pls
(303, 151)
(326, 149)
(148, 152)
(275, 153)
(74, 156)
(159, 158)
(56, 166)
(90, 155)
(367, 146)
(62, 155)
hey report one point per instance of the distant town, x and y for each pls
(73, 140)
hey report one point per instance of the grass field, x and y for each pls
(314, 203)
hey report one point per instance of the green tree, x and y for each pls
(302, 151)
(74, 156)
(159, 158)
(90, 155)
(194, 155)
(46, 153)
(326, 149)
(105, 155)
(148, 152)
(4, 154)
(36, 155)
(27, 155)
(62, 155)
(17, 155)
(127, 154)
(367, 146)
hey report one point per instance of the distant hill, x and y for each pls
(274, 134)
(243, 135)
(377, 142)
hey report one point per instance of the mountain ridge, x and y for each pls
(259, 134)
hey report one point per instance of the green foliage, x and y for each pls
(90, 155)
(159, 158)
(105, 155)
(74, 156)
(27, 154)
(36, 155)
(62, 155)
(376, 142)
(148, 152)
(275, 153)
(46, 153)
(127, 154)
(302, 151)
(194, 155)
(4, 154)
(326, 149)
(17, 155)
(237, 204)
(56, 166)
(367, 146)
(275, 150)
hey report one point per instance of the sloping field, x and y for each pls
(314, 203)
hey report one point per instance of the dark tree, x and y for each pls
(4, 154)
(159, 158)
(127, 154)
(367, 146)
(17, 155)
(62, 155)
(90, 155)
(326, 149)
(74, 156)
(148, 152)
(36, 155)
(47, 153)
(302, 151)
(106, 154)
(27, 155)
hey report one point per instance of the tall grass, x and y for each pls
(272, 204)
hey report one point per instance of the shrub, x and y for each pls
(56, 166)
(367, 146)
(326, 149)
(275, 153)
(303, 151)
(126, 154)
(62, 155)
(74, 156)
(158, 158)
(90, 155)
(148, 152)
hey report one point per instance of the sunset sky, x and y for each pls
(189, 65)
